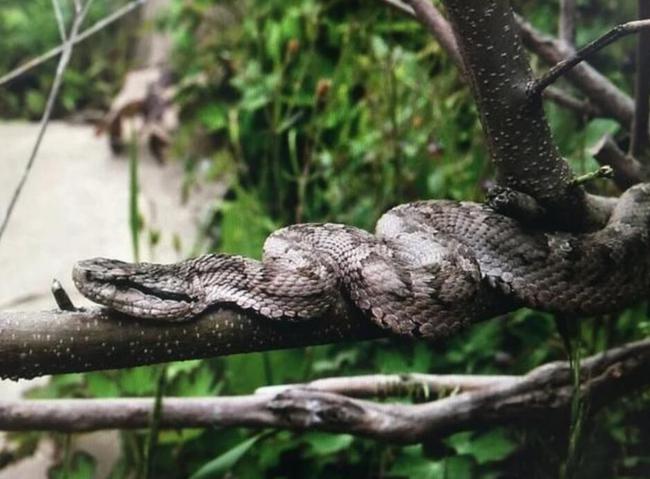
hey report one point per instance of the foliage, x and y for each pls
(334, 111)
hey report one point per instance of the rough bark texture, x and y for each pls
(52, 342)
(544, 394)
(518, 135)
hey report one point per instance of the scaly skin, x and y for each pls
(431, 268)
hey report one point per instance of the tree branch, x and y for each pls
(437, 25)
(640, 134)
(385, 385)
(52, 342)
(601, 91)
(66, 53)
(627, 170)
(518, 135)
(544, 394)
(567, 23)
(562, 67)
(566, 100)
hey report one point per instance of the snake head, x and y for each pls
(143, 290)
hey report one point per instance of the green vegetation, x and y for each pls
(335, 111)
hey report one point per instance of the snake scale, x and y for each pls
(430, 268)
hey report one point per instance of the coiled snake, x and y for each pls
(430, 268)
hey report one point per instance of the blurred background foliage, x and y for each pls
(334, 111)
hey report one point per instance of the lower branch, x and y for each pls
(52, 342)
(544, 394)
(627, 170)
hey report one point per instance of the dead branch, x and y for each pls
(544, 394)
(79, 16)
(387, 385)
(567, 21)
(562, 67)
(600, 91)
(98, 26)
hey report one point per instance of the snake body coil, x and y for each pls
(430, 268)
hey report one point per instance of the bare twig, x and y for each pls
(600, 91)
(439, 27)
(54, 91)
(566, 100)
(640, 135)
(544, 394)
(59, 19)
(583, 53)
(400, 385)
(567, 24)
(429, 16)
(627, 170)
(100, 25)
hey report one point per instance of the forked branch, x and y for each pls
(562, 67)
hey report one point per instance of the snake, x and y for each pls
(429, 269)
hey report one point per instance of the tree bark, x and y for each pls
(544, 394)
(54, 342)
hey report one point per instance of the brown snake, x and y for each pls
(430, 268)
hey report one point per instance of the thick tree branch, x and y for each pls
(601, 92)
(544, 394)
(564, 66)
(52, 342)
(640, 141)
(518, 135)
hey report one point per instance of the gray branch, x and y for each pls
(518, 135)
(544, 394)
(53, 342)
(565, 65)
(600, 91)
(640, 133)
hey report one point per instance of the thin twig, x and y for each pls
(640, 141)
(54, 91)
(100, 25)
(397, 385)
(59, 20)
(564, 66)
(429, 16)
(567, 23)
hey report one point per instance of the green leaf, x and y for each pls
(81, 466)
(494, 445)
(226, 461)
(214, 116)
(597, 128)
(323, 444)
(412, 464)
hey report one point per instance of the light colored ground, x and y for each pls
(75, 206)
